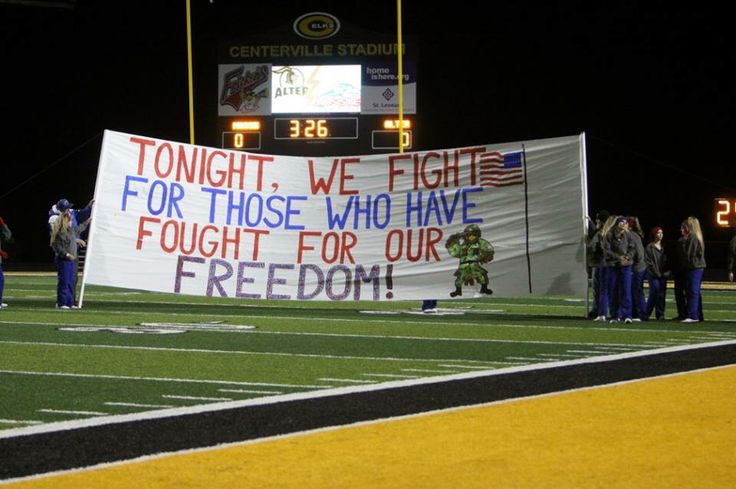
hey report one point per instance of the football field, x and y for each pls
(130, 362)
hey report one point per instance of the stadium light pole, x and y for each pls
(401, 76)
(189, 71)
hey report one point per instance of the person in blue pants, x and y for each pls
(64, 242)
(618, 252)
(655, 257)
(429, 306)
(691, 257)
(80, 219)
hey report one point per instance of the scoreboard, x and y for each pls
(316, 87)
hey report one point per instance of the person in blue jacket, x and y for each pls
(80, 217)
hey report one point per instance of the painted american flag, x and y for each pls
(501, 170)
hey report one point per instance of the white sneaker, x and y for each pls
(600, 318)
(64, 307)
(431, 310)
(3, 305)
(689, 320)
(628, 320)
(636, 320)
(614, 321)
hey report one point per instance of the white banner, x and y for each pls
(179, 218)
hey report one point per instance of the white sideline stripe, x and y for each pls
(63, 411)
(69, 425)
(246, 391)
(160, 379)
(135, 404)
(196, 398)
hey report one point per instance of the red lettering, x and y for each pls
(346, 176)
(142, 143)
(304, 247)
(256, 240)
(142, 232)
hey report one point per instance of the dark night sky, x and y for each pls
(648, 82)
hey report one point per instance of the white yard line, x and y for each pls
(161, 379)
(392, 376)
(230, 352)
(64, 411)
(248, 391)
(20, 421)
(196, 398)
(426, 370)
(135, 404)
(400, 322)
(352, 381)
(466, 366)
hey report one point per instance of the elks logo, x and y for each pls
(291, 82)
(240, 88)
(316, 25)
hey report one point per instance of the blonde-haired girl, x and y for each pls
(64, 243)
(691, 258)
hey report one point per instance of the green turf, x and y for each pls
(124, 353)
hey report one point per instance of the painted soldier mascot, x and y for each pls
(473, 252)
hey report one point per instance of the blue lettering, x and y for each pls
(128, 191)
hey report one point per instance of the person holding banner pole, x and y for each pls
(604, 305)
(65, 244)
(594, 253)
(80, 219)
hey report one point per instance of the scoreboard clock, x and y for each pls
(315, 128)
(724, 212)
